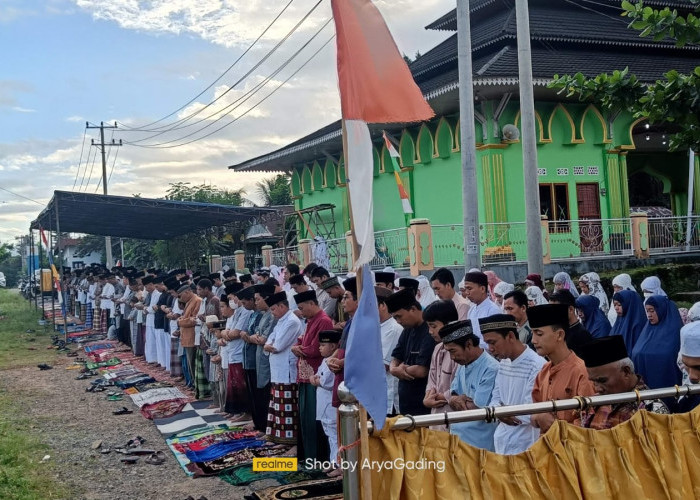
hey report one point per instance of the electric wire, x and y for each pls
(92, 166)
(77, 172)
(109, 179)
(248, 49)
(109, 152)
(175, 125)
(245, 97)
(259, 102)
(21, 196)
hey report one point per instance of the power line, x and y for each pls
(21, 196)
(284, 9)
(109, 179)
(174, 125)
(245, 97)
(259, 102)
(87, 184)
(82, 148)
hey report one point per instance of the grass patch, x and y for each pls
(22, 476)
(18, 347)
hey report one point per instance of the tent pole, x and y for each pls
(41, 278)
(64, 305)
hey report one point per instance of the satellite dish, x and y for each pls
(511, 133)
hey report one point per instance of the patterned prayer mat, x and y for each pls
(320, 489)
(194, 415)
(155, 395)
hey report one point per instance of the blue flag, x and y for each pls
(365, 375)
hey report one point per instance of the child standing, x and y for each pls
(323, 380)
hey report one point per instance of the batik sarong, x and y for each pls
(283, 414)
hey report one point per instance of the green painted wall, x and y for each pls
(575, 146)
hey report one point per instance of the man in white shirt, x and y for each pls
(107, 305)
(476, 284)
(391, 331)
(443, 283)
(517, 370)
(283, 416)
(151, 350)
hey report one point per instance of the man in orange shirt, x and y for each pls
(187, 322)
(565, 375)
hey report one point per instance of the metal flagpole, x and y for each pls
(691, 190)
(529, 142)
(470, 192)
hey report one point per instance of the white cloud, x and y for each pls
(35, 168)
(20, 109)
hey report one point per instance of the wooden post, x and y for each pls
(304, 252)
(640, 235)
(420, 246)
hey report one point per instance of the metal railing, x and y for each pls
(282, 256)
(331, 254)
(588, 237)
(669, 234)
(391, 249)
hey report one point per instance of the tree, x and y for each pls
(10, 263)
(275, 190)
(673, 100)
(183, 191)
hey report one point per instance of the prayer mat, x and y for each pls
(109, 362)
(246, 456)
(135, 380)
(156, 395)
(177, 442)
(163, 409)
(194, 415)
(320, 489)
(98, 346)
(131, 390)
(152, 385)
(243, 475)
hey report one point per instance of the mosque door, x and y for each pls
(590, 227)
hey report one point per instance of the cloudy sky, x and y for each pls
(66, 62)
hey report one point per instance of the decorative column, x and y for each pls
(304, 253)
(267, 255)
(546, 245)
(614, 184)
(640, 235)
(239, 257)
(624, 183)
(420, 246)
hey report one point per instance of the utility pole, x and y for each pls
(470, 192)
(529, 141)
(102, 145)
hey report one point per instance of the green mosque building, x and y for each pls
(593, 166)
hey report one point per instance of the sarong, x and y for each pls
(236, 392)
(88, 316)
(261, 403)
(201, 384)
(175, 360)
(307, 420)
(83, 312)
(140, 347)
(104, 319)
(283, 414)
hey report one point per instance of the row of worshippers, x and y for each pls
(459, 374)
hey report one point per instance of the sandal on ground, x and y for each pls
(156, 458)
(140, 451)
(135, 442)
(104, 451)
(115, 397)
(130, 460)
(123, 411)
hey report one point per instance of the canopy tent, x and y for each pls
(140, 218)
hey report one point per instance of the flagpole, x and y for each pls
(365, 474)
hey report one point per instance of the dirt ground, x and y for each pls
(70, 420)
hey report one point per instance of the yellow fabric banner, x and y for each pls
(648, 457)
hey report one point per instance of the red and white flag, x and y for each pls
(376, 86)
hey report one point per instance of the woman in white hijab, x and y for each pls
(652, 286)
(562, 281)
(590, 285)
(426, 295)
(620, 282)
(500, 290)
(535, 297)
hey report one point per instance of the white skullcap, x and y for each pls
(690, 340)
